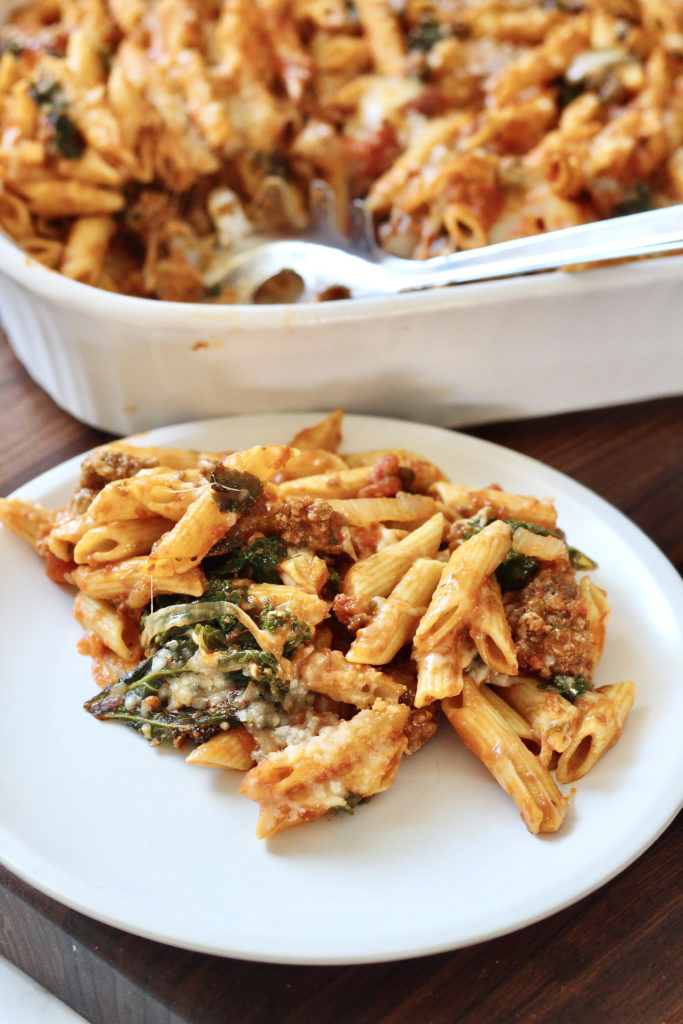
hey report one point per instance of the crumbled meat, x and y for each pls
(311, 522)
(101, 467)
(301, 522)
(81, 499)
(350, 612)
(549, 623)
(421, 726)
(366, 539)
(387, 479)
(423, 722)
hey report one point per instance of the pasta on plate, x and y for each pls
(310, 617)
(141, 142)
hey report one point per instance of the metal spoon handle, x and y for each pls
(638, 234)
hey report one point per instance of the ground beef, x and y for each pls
(351, 612)
(312, 523)
(101, 467)
(549, 623)
(301, 522)
(387, 478)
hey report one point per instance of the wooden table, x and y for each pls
(613, 958)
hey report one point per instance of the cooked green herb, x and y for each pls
(272, 619)
(218, 589)
(638, 200)
(258, 561)
(207, 641)
(424, 35)
(334, 581)
(351, 11)
(566, 92)
(352, 800)
(68, 140)
(233, 490)
(579, 560)
(162, 625)
(569, 687)
(476, 523)
(45, 92)
(515, 571)
(276, 164)
(10, 46)
(177, 725)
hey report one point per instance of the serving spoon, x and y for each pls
(321, 262)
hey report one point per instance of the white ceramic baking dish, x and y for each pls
(451, 357)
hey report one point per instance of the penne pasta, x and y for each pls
(245, 614)
(360, 758)
(125, 126)
(602, 714)
(457, 593)
(515, 768)
(376, 575)
(395, 619)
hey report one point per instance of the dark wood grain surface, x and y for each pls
(615, 957)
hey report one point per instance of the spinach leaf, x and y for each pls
(233, 490)
(177, 725)
(68, 140)
(258, 561)
(569, 687)
(638, 200)
(515, 571)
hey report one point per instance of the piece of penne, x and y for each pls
(86, 247)
(329, 673)
(312, 462)
(536, 545)
(456, 595)
(466, 501)
(551, 718)
(343, 483)
(110, 624)
(301, 604)
(354, 760)
(602, 714)
(60, 198)
(378, 574)
(395, 619)
(131, 581)
(304, 570)
(379, 24)
(598, 609)
(440, 670)
(27, 519)
(514, 767)
(516, 722)
(325, 434)
(232, 749)
(490, 629)
(112, 542)
(404, 508)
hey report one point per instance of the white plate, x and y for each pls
(134, 837)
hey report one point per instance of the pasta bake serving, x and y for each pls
(142, 141)
(310, 617)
